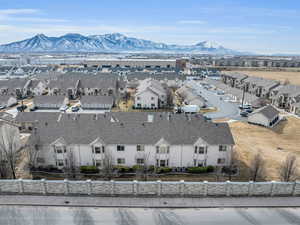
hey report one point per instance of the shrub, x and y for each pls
(210, 169)
(164, 170)
(137, 167)
(207, 169)
(89, 169)
(151, 168)
(123, 169)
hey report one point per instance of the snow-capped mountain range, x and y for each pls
(115, 42)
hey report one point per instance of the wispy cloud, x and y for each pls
(26, 15)
(191, 22)
(7, 12)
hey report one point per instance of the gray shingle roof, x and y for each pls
(90, 99)
(45, 99)
(268, 111)
(128, 128)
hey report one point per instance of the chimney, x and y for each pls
(150, 118)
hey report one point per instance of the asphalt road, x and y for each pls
(29, 215)
(226, 109)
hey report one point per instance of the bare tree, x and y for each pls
(4, 170)
(143, 168)
(70, 166)
(286, 82)
(9, 147)
(231, 169)
(32, 149)
(257, 167)
(288, 168)
(107, 165)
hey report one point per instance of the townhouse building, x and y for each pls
(50, 102)
(158, 139)
(17, 87)
(234, 80)
(259, 87)
(286, 97)
(90, 102)
(67, 86)
(151, 94)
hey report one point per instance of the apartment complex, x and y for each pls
(158, 139)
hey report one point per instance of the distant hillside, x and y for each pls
(115, 42)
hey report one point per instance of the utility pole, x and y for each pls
(243, 96)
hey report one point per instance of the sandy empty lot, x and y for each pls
(293, 77)
(251, 139)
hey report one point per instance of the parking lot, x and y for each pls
(226, 108)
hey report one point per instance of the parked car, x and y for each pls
(250, 110)
(63, 108)
(33, 109)
(75, 109)
(21, 108)
(244, 113)
(207, 118)
(2, 106)
(245, 106)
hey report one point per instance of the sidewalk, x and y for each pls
(132, 202)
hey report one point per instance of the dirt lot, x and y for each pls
(293, 77)
(274, 144)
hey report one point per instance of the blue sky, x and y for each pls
(269, 26)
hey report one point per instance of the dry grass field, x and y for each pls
(293, 77)
(273, 144)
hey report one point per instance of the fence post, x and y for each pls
(294, 193)
(250, 190)
(181, 187)
(21, 186)
(112, 187)
(66, 182)
(158, 187)
(44, 186)
(228, 188)
(205, 183)
(89, 187)
(135, 187)
(273, 183)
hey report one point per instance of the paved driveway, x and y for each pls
(225, 108)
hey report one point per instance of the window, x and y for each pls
(121, 161)
(162, 163)
(138, 98)
(40, 160)
(195, 162)
(140, 148)
(222, 148)
(60, 149)
(162, 149)
(221, 161)
(60, 162)
(103, 149)
(152, 98)
(120, 148)
(140, 161)
(201, 150)
(97, 150)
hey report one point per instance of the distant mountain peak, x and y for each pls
(114, 42)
